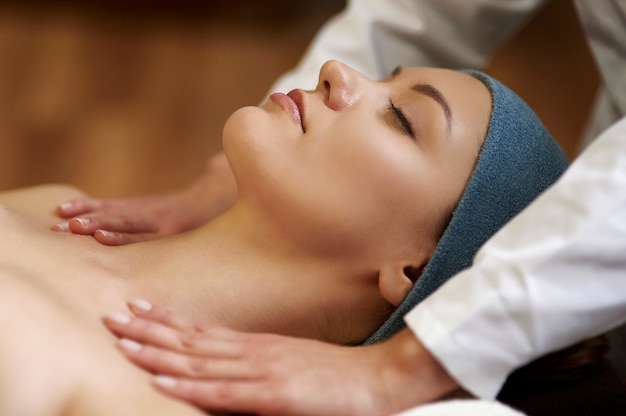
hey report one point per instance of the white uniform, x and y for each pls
(554, 275)
(557, 273)
(374, 37)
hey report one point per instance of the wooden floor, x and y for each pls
(121, 102)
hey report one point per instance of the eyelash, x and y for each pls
(399, 115)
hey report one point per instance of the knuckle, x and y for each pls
(196, 366)
(189, 340)
(199, 330)
(128, 223)
(141, 327)
(166, 317)
(165, 314)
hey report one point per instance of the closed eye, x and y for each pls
(402, 121)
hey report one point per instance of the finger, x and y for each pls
(162, 336)
(143, 331)
(76, 207)
(63, 227)
(116, 223)
(133, 224)
(214, 340)
(82, 225)
(112, 238)
(164, 361)
(146, 310)
(247, 396)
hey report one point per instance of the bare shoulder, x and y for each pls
(40, 201)
(56, 361)
(41, 193)
(22, 352)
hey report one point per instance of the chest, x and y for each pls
(74, 267)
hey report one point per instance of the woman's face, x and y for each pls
(357, 160)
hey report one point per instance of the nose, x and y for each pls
(340, 84)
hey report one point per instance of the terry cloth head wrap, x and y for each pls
(518, 160)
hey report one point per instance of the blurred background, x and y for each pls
(129, 97)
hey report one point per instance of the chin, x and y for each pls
(241, 129)
(240, 121)
(247, 141)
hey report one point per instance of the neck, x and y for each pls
(236, 273)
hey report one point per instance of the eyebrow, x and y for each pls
(432, 92)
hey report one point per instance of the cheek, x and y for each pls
(378, 178)
(381, 165)
(398, 186)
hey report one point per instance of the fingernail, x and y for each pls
(105, 233)
(65, 205)
(83, 221)
(165, 381)
(62, 226)
(141, 304)
(120, 318)
(130, 345)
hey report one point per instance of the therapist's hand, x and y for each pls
(220, 369)
(128, 220)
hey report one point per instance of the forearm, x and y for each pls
(212, 193)
(415, 368)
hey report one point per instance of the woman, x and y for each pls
(343, 195)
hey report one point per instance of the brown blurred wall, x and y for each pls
(120, 101)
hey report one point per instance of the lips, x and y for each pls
(293, 104)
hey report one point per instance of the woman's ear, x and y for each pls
(395, 282)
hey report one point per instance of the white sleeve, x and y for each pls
(556, 274)
(374, 36)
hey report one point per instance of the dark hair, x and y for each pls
(569, 364)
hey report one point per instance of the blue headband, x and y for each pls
(518, 160)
